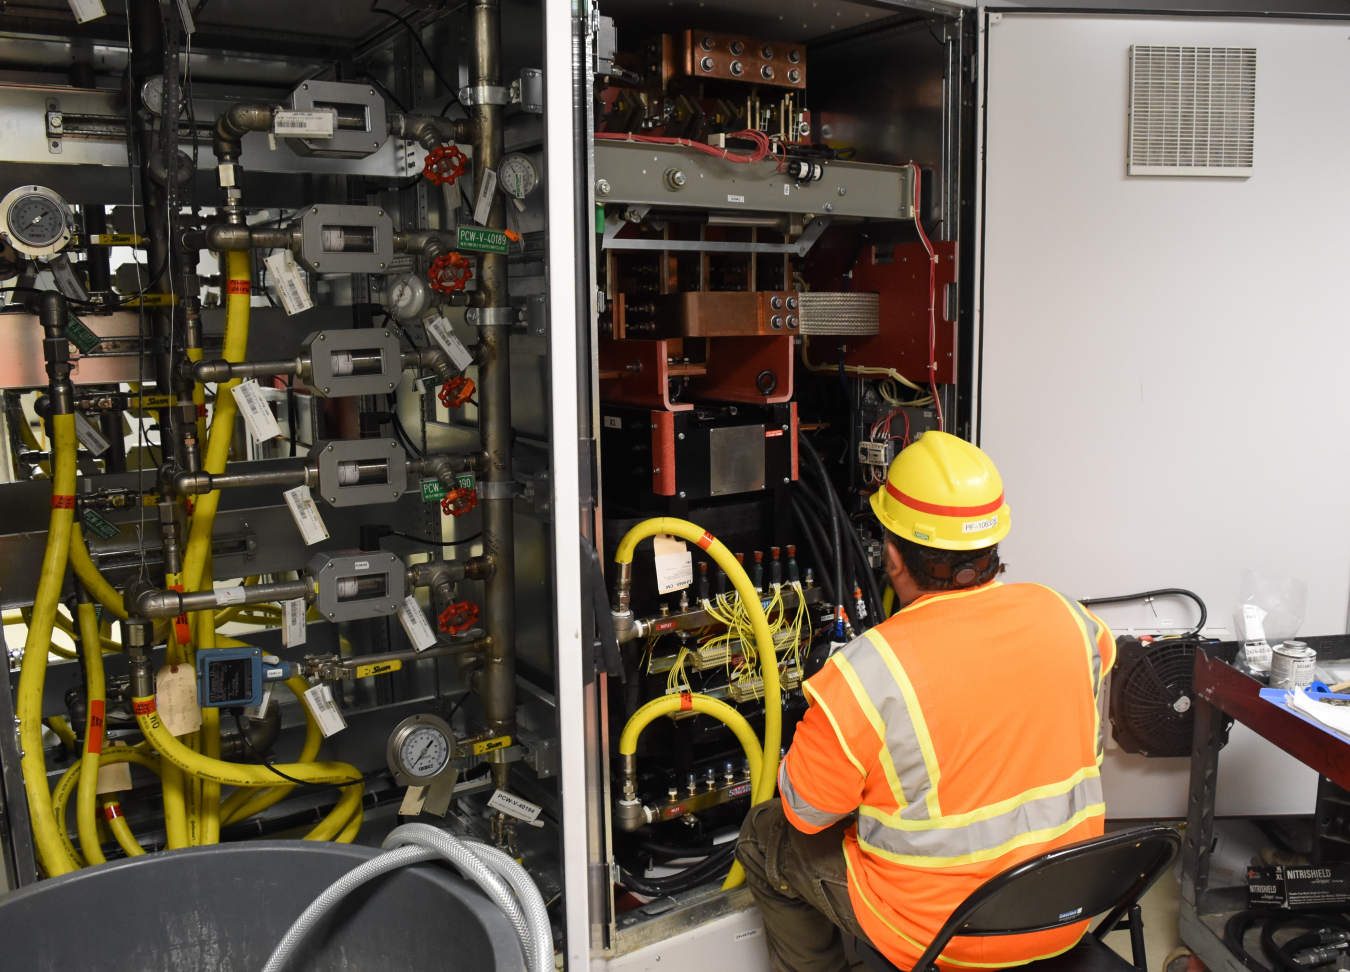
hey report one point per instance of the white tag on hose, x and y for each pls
(306, 515)
(487, 189)
(229, 595)
(293, 122)
(325, 711)
(444, 335)
(293, 631)
(415, 624)
(262, 424)
(290, 285)
(176, 699)
(674, 564)
(260, 710)
(89, 436)
(114, 777)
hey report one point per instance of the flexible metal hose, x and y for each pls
(494, 872)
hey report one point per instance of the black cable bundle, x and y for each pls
(714, 866)
(1324, 928)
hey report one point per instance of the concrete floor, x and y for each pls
(1160, 906)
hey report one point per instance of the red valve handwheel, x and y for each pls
(457, 502)
(444, 165)
(450, 273)
(456, 392)
(458, 617)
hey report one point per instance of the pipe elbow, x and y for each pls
(212, 371)
(192, 483)
(233, 123)
(157, 604)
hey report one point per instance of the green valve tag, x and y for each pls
(80, 336)
(599, 218)
(465, 481)
(100, 526)
(432, 491)
(483, 240)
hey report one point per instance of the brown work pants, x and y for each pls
(800, 883)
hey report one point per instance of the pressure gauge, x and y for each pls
(517, 176)
(152, 94)
(420, 750)
(35, 221)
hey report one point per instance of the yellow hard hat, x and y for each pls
(943, 492)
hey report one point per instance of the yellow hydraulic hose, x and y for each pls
(773, 705)
(61, 727)
(887, 601)
(706, 705)
(353, 827)
(112, 812)
(238, 274)
(348, 806)
(99, 589)
(26, 617)
(70, 781)
(241, 774)
(245, 802)
(50, 852)
(208, 809)
(86, 803)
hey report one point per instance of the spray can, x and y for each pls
(1292, 665)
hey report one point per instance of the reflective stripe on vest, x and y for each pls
(1036, 816)
(1091, 629)
(808, 813)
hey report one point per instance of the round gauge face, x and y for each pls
(37, 220)
(424, 752)
(516, 176)
(152, 94)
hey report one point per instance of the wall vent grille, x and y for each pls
(1192, 110)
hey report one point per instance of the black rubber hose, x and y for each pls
(1236, 929)
(670, 853)
(816, 545)
(824, 511)
(868, 576)
(1204, 612)
(691, 877)
(837, 548)
(1283, 955)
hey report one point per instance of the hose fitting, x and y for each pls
(53, 313)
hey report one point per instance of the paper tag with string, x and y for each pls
(176, 699)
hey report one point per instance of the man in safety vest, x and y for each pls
(951, 742)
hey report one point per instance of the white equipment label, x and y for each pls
(444, 335)
(415, 624)
(306, 515)
(176, 699)
(487, 188)
(512, 805)
(304, 124)
(260, 710)
(326, 714)
(293, 630)
(89, 436)
(262, 424)
(65, 278)
(674, 564)
(290, 285)
(85, 11)
(229, 595)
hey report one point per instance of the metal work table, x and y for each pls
(1222, 694)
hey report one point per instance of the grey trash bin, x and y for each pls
(224, 908)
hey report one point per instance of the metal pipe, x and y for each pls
(196, 483)
(432, 358)
(221, 370)
(497, 682)
(151, 603)
(96, 257)
(430, 131)
(53, 312)
(221, 237)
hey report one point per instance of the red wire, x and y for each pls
(763, 147)
(932, 300)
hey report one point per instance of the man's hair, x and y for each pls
(919, 559)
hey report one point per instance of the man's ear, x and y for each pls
(895, 564)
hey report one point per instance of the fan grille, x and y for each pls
(1148, 699)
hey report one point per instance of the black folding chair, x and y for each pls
(1082, 880)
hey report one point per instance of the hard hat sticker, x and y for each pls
(975, 526)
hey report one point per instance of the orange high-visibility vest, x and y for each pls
(966, 733)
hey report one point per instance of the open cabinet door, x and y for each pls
(1162, 355)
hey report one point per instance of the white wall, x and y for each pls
(1165, 380)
